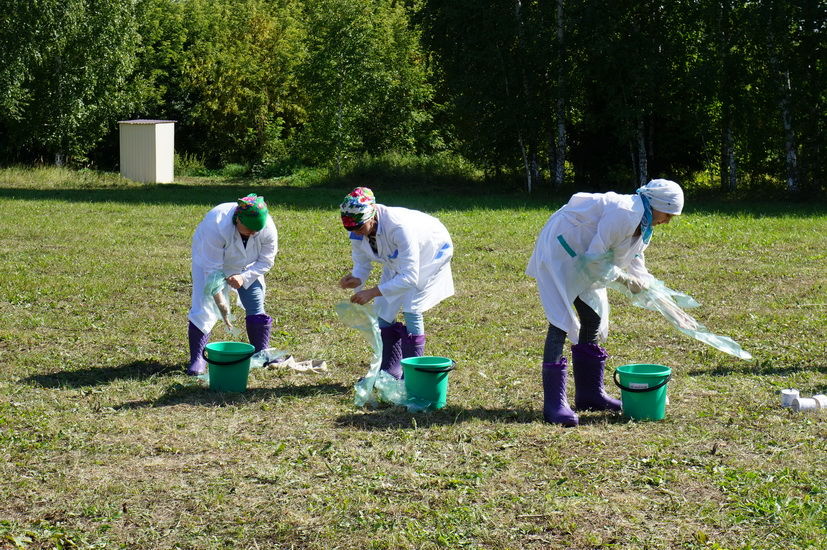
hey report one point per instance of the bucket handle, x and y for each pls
(640, 390)
(225, 363)
(444, 369)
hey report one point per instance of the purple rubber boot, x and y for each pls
(413, 345)
(588, 362)
(392, 349)
(556, 408)
(198, 341)
(258, 330)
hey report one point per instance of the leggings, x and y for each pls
(556, 337)
(252, 298)
(413, 322)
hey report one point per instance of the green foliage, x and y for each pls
(365, 79)
(64, 69)
(615, 92)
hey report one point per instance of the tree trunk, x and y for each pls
(791, 156)
(560, 141)
(729, 168)
(529, 157)
(642, 164)
(525, 162)
(728, 163)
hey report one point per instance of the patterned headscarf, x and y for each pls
(358, 207)
(664, 195)
(252, 212)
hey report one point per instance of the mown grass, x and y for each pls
(104, 443)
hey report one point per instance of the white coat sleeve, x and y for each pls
(210, 246)
(407, 263)
(637, 268)
(266, 257)
(362, 263)
(611, 229)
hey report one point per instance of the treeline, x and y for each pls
(589, 93)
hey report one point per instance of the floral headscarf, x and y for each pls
(358, 207)
(252, 212)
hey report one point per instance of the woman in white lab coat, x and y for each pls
(595, 238)
(239, 240)
(415, 251)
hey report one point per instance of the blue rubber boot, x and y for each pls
(258, 331)
(197, 341)
(392, 349)
(588, 363)
(413, 345)
(556, 408)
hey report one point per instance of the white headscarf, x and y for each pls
(664, 195)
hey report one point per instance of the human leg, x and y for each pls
(392, 334)
(259, 324)
(556, 408)
(588, 364)
(413, 341)
(197, 342)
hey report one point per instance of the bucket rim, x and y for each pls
(439, 361)
(663, 370)
(245, 344)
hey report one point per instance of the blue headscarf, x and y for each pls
(646, 221)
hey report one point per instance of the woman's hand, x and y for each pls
(349, 281)
(364, 296)
(235, 281)
(635, 285)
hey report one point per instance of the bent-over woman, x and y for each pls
(593, 239)
(415, 251)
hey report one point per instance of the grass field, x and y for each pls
(104, 443)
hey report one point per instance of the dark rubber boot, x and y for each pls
(588, 362)
(413, 345)
(556, 408)
(392, 349)
(198, 341)
(258, 330)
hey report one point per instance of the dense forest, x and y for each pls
(576, 92)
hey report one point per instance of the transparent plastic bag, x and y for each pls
(376, 386)
(218, 294)
(670, 303)
(600, 271)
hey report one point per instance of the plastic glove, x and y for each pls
(634, 284)
(683, 320)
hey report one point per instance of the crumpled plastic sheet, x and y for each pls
(602, 271)
(376, 386)
(261, 359)
(217, 290)
(671, 303)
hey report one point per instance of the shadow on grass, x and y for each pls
(766, 368)
(395, 418)
(195, 394)
(98, 376)
(426, 196)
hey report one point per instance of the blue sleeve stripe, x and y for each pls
(566, 246)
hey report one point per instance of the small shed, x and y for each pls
(147, 150)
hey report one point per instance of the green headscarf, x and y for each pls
(252, 212)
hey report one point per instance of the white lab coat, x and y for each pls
(591, 224)
(415, 250)
(217, 246)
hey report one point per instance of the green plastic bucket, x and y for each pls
(426, 379)
(229, 364)
(643, 390)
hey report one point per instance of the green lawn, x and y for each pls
(104, 443)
